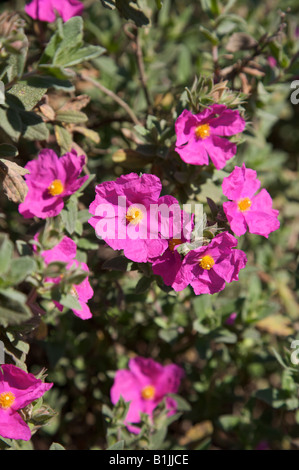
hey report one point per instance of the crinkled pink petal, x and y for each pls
(39, 204)
(220, 150)
(25, 386)
(169, 381)
(168, 266)
(228, 122)
(235, 218)
(45, 10)
(211, 285)
(64, 251)
(12, 426)
(68, 8)
(146, 370)
(194, 152)
(41, 10)
(184, 126)
(241, 183)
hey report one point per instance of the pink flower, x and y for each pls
(17, 390)
(47, 10)
(231, 319)
(145, 385)
(208, 268)
(271, 61)
(125, 218)
(246, 210)
(168, 265)
(65, 252)
(51, 179)
(198, 135)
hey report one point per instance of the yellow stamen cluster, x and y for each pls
(206, 262)
(202, 131)
(134, 215)
(148, 392)
(74, 292)
(56, 188)
(6, 400)
(244, 204)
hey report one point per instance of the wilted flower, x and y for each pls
(51, 179)
(47, 10)
(200, 136)
(17, 390)
(145, 385)
(209, 267)
(246, 210)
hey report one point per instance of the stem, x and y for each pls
(112, 95)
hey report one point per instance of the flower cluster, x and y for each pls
(132, 214)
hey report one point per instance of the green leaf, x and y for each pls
(120, 445)
(7, 150)
(63, 138)
(35, 128)
(76, 56)
(6, 251)
(182, 404)
(28, 95)
(74, 117)
(69, 215)
(11, 123)
(56, 446)
(20, 268)
(13, 309)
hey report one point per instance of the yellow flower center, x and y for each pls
(244, 204)
(6, 400)
(74, 292)
(134, 215)
(56, 188)
(148, 392)
(173, 243)
(202, 131)
(206, 262)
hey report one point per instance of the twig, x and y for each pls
(136, 45)
(112, 95)
(140, 64)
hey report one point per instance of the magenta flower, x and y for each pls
(51, 179)
(145, 385)
(17, 390)
(47, 10)
(125, 216)
(272, 61)
(65, 252)
(231, 319)
(199, 136)
(246, 210)
(208, 268)
(168, 265)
